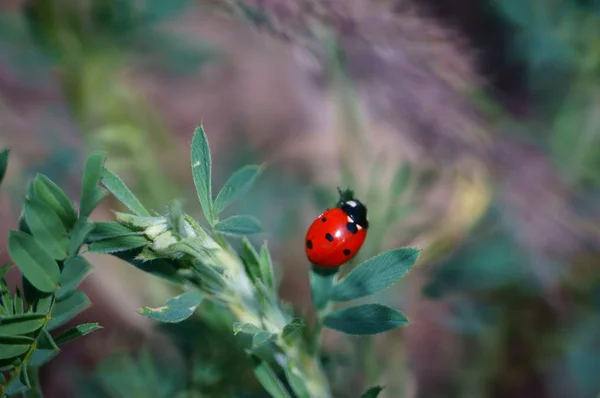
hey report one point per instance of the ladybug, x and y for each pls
(337, 234)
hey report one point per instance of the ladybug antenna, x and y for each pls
(345, 195)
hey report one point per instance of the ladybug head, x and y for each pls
(353, 208)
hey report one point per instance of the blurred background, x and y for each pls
(469, 128)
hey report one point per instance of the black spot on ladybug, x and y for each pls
(346, 252)
(324, 219)
(352, 227)
(329, 237)
(309, 244)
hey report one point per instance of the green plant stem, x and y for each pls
(29, 353)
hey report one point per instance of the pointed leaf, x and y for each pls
(365, 319)
(262, 338)
(18, 304)
(18, 385)
(294, 377)
(239, 225)
(122, 243)
(78, 236)
(68, 308)
(292, 328)
(14, 346)
(76, 332)
(110, 229)
(74, 271)
(3, 163)
(162, 268)
(246, 328)
(90, 194)
(176, 309)
(372, 392)
(201, 171)
(45, 351)
(46, 227)
(21, 324)
(117, 187)
(375, 274)
(266, 268)
(34, 262)
(237, 185)
(251, 259)
(268, 379)
(51, 194)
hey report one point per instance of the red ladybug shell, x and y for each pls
(333, 238)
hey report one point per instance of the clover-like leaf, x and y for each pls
(119, 244)
(40, 269)
(90, 194)
(177, 309)
(238, 184)
(14, 346)
(76, 332)
(46, 349)
(53, 196)
(78, 236)
(14, 325)
(201, 171)
(268, 379)
(117, 187)
(239, 225)
(46, 227)
(321, 282)
(74, 271)
(365, 319)
(68, 308)
(375, 274)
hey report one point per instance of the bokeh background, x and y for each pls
(469, 127)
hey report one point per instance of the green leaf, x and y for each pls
(176, 309)
(18, 304)
(76, 332)
(110, 229)
(74, 271)
(120, 191)
(45, 351)
(162, 268)
(46, 227)
(34, 262)
(266, 268)
(3, 163)
(21, 324)
(268, 379)
(239, 225)
(296, 380)
(79, 235)
(375, 274)
(246, 328)
(238, 184)
(201, 171)
(372, 392)
(251, 259)
(68, 308)
(122, 243)
(51, 194)
(20, 384)
(365, 319)
(291, 328)
(90, 194)
(321, 281)
(14, 346)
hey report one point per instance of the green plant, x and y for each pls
(46, 250)
(201, 263)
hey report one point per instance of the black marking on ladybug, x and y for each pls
(329, 237)
(352, 227)
(324, 219)
(309, 244)
(347, 252)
